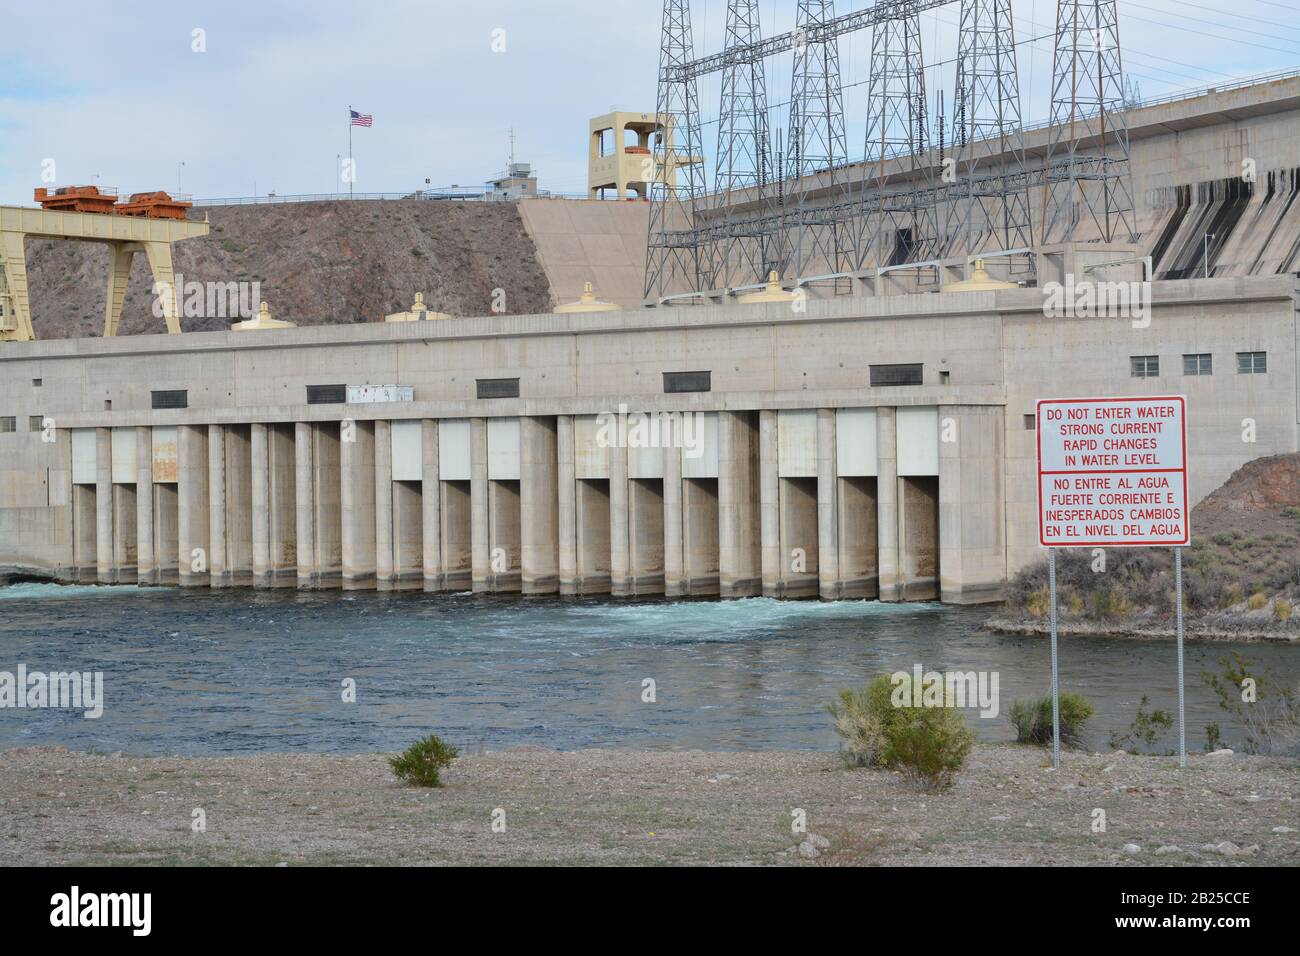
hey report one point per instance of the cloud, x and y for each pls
(119, 98)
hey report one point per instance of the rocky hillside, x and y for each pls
(318, 263)
(1241, 575)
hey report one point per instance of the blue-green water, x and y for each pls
(211, 672)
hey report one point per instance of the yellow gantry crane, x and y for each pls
(125, 230)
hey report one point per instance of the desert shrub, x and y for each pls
(1282, 609)
(423, 760)
(1233, 594)
(1291, 512)
(929, 743)
(859, 717)
(1286, 574)
(1033, 720)
(1148, 727)
(1269, 710)
(1040, 603)
(1204, 587)
(1257, 600)
(1110, 602)
(1129, 579)
(1213, 737)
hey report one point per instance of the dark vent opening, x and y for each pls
(327, 394)
(688, 381)
(497, 387)
(171, 398)
(882, 375)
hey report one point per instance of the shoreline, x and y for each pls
(1198, 631)
(619, 807)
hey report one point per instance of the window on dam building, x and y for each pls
(35, 423)
(8, 423)
(496, 387)
(1144, 366)
(171, 398)
(1252, 363)
(327, 394)
(907, 374)
(1199, 363)
(688, 382)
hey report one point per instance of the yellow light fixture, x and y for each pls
(979, 281)
(419, 312)
(262, 321)
(587, 302)
(772, 292)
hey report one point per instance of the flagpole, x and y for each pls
(351, 164)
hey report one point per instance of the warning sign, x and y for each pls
(1112, 472)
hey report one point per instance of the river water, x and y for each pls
(197, 672)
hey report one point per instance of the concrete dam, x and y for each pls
(871, 441)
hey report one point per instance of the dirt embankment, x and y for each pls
(1241, 574)
(1008, 808)
(319, 263)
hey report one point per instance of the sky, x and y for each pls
(242, 98)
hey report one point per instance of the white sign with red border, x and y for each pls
(1112, 472)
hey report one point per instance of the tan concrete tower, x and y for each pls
(617, 163)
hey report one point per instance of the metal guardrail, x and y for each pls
(1191, 93)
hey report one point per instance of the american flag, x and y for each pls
(361, 119)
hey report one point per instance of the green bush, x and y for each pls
(860, 717)
(930, 743)
(1213, 737)
(423, 760)
(1148, 727)
(1033, 720)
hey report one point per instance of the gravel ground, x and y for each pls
(626, 807)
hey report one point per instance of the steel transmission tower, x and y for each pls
(675, 259)
(817, 148)
(744, 173)
(1087, 163)
(990, 195)
(897, 134)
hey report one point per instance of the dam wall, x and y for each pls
(838, 448)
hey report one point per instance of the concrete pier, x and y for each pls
(430, 508)
(738, 504)
(192, 505)
(104, 568)
(281, 523)
(261, 505)
(146, 563)
(539, 520)
(676, 583)
(357, 483)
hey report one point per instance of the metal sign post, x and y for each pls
(1112, 473)
(1178, 616)
(1056, 684)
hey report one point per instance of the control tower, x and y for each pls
(621, 154)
